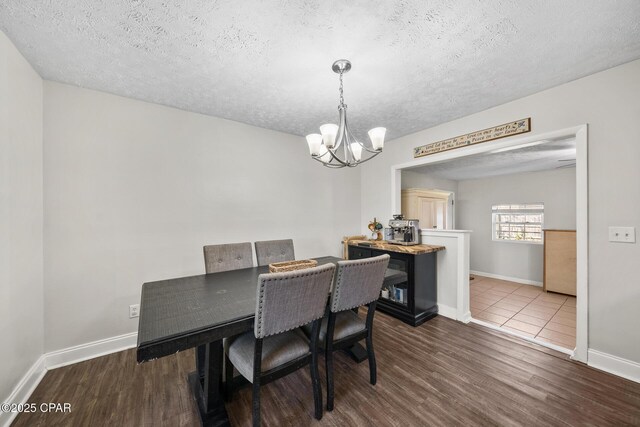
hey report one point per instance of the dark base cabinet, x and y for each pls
(412, 297)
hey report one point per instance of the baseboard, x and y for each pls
(511, 279)
(59, 358)
(80, 353)
(23, 389)
(447, 311)
(614, 365)
(452, 313)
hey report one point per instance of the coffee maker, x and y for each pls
(405, 232)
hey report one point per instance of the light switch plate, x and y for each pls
(622, 234)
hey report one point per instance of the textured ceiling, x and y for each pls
(415, 63)
(543, 156)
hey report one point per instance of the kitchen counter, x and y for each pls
(384, 245)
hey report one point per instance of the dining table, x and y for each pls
(200, 311)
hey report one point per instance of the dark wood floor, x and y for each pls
(441, 373)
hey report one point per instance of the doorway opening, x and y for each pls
(508, 234)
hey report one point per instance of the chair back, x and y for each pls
(292, 299)
(270, 251)
(358, 282)
(232, 256)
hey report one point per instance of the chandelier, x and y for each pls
(335, 146)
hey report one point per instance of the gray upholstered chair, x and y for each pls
(357, 283)
(219, 258)
(274, 251)
(277, 347)
(232, 256)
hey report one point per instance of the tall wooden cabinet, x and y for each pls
(560, 261)
(430, 207)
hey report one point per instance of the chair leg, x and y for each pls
(257, 373)
(372, 360)
(328, 360)
(373, 376)
(315, 376)
(228, 378)
(317, 388)
(256, 403)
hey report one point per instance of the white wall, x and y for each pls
(21, 293)
(610, 103)
(555, 188)
(134, 190)
(424, 180)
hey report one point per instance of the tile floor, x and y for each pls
(525, 309)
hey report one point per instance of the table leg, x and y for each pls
(201, 353)
(357, 352)
(207, 392)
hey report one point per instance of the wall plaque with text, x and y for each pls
(496, 132)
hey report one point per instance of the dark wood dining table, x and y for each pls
(187, 312)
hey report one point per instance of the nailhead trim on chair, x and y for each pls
(339, 287)
(261, 299)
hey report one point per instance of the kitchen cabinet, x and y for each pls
(560, 261)
(430, 207)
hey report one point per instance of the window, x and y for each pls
(518, 223)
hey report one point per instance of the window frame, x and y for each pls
(528, 209)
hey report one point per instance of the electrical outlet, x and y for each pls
(622, 234)
(134, 310)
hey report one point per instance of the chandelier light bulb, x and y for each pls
(356, 149)
(329, 132)
(324, 154)
(377, 138)
(315, 141)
